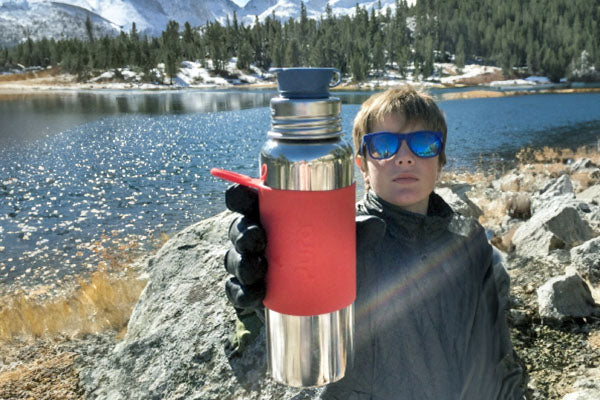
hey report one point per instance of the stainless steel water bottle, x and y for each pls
(306, 155)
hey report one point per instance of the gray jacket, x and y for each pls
(428, 321)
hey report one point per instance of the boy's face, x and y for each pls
(404, 179)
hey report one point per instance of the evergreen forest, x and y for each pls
(554, 38)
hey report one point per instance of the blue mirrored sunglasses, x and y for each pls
(383, 145)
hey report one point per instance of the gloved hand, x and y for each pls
(247, 263)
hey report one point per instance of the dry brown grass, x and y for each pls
(472, 94)
(30, 75)
(103, 301)
(99, 302)
(554, 162)
(549, 155)
(481, 79)
(471, 178)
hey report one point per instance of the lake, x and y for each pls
(83, 170)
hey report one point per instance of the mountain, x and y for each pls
(284, 9)
(20, 19)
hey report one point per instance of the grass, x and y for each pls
(99, 302)
(30, 75)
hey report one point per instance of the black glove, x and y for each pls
(246, 260)
(248, 265)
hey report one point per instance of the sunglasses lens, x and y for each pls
(425, 144)
(383, 146)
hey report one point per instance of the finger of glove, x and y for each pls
(243, 200)
(245, 296)
(247, 236)
(247, 268)
(369, 231)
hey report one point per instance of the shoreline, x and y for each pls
(11, 92)
(479, 85)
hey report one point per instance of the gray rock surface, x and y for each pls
(560, 188)
(586, 260)
(581, 164)
(590, 195)
(457, 199)
(174, 346)
(556, 226)
(564, 297)
(586, 387)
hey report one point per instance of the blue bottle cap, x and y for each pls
(306, 83)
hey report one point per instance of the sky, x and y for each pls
(240, 3)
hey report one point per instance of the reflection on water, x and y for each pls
(30, 116)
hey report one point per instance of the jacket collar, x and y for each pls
(407, 224)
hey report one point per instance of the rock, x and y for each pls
(586, 260)
(174, 346)
(586, 387)
(581, 164)
(518, 317)
(555, 226)
(560, 188)
(590, 195)
(564, 297)
(593, 217)
(457, 199)
(518, 205)
(584, 394)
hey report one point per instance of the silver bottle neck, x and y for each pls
(305, 119)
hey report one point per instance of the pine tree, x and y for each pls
(170, 42)
(245, 56)
(292, 54)
(278, 51)
(460, 53)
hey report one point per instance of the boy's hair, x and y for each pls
(416, 106)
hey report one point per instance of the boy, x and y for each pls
(428, 320)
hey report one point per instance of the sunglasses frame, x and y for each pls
(366, 140)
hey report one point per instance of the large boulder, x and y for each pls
(556, 226)
(564, 297)
(586, 260)
(176, 338)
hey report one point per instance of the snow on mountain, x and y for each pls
(20, 19)
(284, 9)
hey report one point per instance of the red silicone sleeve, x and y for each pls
(311, 250)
